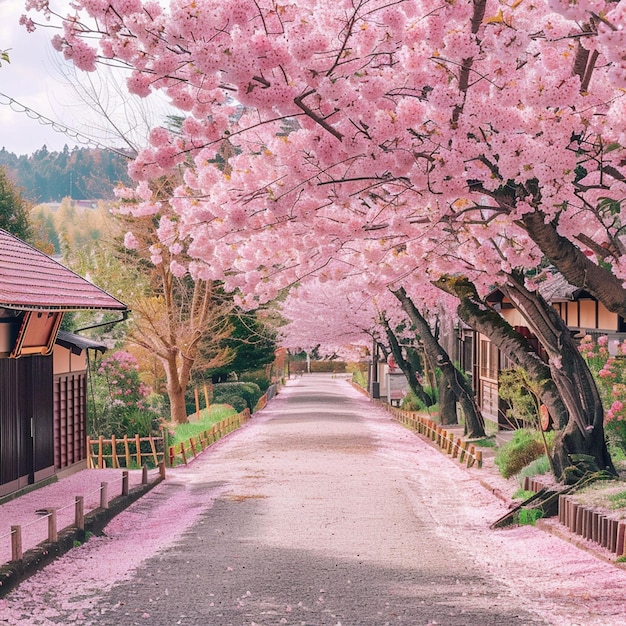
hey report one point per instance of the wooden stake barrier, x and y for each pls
(79, 512)
(104, 495)
(16, 543)
(125, 486)
(621, 531)
(53, 534)
(144, 475)
(115, 462)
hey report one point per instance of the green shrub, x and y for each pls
(237, 402)
(525, 447)
(259, 377)
(249, 392)
(411, 402)
(537, 467)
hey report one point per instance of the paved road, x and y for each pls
(321, 511)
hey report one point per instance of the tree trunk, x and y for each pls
(474, 423)
(175, 391)
(574, 265)
(584, 431)
(448, 415)
(405, 365)
(482, 318)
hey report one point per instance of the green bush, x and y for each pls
(525, 447)
(411, 402)
(237, 402)
(249, 392)
(259, 377)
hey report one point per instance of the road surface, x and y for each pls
(320, 511)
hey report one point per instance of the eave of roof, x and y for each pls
(31, 280)
(77, 344)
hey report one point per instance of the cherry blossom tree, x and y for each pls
(362, 120)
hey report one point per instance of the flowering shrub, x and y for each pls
(610, 374)
(120, 403)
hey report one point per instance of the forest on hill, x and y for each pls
(77, 173)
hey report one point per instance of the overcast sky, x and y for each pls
(30, 80)
(35, 79)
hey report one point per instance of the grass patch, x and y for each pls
(215, 413)
(529, 517)
(618, 500)
(487, 442)
(523, 494)
(538, 467)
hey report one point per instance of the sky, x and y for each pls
(32, 78)
(37, 78)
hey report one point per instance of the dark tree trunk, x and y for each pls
(566, 385)
(405, 365)
(482, 318)
(584, 431)
(474, 423)
(447, 403)
(574, 265)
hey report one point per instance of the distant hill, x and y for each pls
(79, 173)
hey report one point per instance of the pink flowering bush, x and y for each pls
(610, 373)
(120, 404)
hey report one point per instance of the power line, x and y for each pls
(75, 135)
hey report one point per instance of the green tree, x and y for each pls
(253, 342)
(13, 209)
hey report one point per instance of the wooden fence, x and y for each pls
(120, 452)
(46, 526)
(188, 450)
(605, 530)
(124, 451)
(457, 447)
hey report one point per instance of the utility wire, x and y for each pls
(56, 126)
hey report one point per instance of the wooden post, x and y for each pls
(621, 532)
(138, 445)
(182, 451)
(114, 460)
(206, 398)
(162, 470)
(104, 495)
(153, 450)
(16, 543)
(455, 449)
(53, 535)
(125, 483)
(578, 522)
(144, 474)
(166, 443)
(479, 459)
(89, 454)
(79, 512)
(171, 456)
(193, 448)
(195, 393)
(471, 456)
(611, 544)
(100, 446)
(127, 450)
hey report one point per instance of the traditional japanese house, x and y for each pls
(42, 371)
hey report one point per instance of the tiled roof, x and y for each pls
(555, 288)
(31, 280)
